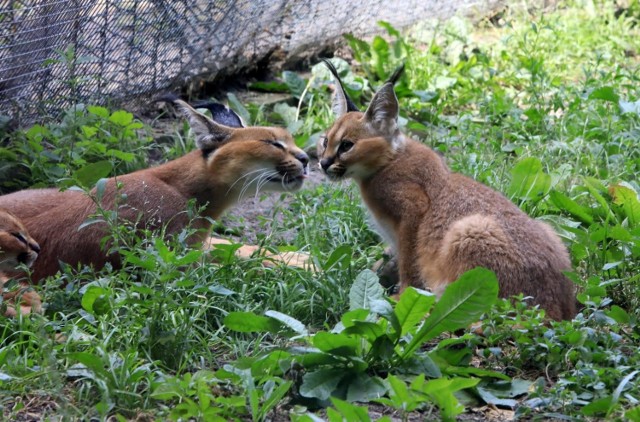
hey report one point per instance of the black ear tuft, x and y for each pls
(168, 97)
(396, 75)
(209, 133)
(221, 114)
(350, 106)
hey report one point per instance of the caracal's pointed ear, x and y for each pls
(209, 134)
(221, 114)
(382, 112)
(341, 104)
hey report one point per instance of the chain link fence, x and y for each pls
(54, 53)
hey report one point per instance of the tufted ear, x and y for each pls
(382, 112)
(342, 104)
(209, 134)
(221, 114)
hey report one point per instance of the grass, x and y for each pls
(544, 107)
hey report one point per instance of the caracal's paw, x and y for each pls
(23, 300)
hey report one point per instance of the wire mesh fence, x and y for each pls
(54, 53)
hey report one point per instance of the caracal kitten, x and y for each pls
(230, 162)
(441, 224)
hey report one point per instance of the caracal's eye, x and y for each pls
(20, 237)
(345, 146)
(325, 142)
(276, 144)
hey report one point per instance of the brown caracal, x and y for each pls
(440, 223)
(17, 248)
(229, 163)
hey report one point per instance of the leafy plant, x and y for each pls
(89, 143)
(540, 105)
(373, 338)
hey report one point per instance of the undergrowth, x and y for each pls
(544, 107)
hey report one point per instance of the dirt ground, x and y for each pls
(246, 215)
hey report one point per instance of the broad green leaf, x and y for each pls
(421, 363)
(224, 253)
(89, 131)
(338, 344)
(369, 330)
(290, 322)
(528, 180)
(605, 93)
(462, 303)
(619, 232)
(274, 398)
(444, 82)
(149, 263)
(364, 388)
(339, 254)
(167, 390)
(619, 315)
(390, 29)
(295, 83)
(254, 403)
(596, 189)
(88, 175)
(289, 115)
(382, 349)
(361, 49)
(100, 188)
(189, 258)
(237, 106)
(349, 318)
(627, 199)
(91, 361)
(489, 398)
(95, 301)
(345, 411)
(321, 383)
(380, 55)
(248, 322)
(121, 118)
(441, 391)
(399, 391)
(121, 155)
(598, 407)
(507, 389)
(477, 372)
(98, 111)
(567, 204)
(412, 308)
(633, 414)
(364, 290)
(274, 363)
(313, 360)
(166, 254)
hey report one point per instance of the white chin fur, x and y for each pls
(279, 186)
(357, 172)
(398, 142)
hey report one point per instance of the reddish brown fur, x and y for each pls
(158, 196)
(442, 224)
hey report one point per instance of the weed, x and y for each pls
(542, 107)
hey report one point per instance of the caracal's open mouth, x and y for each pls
(335, 175)
(288, 181)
